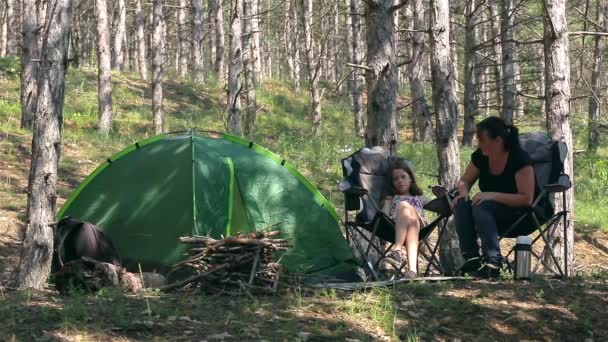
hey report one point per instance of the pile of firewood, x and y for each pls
(244, 262)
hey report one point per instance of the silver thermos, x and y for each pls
(523, 257)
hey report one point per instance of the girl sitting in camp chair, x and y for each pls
(405, 207)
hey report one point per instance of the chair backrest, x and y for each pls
(547, 156)
(367, 169)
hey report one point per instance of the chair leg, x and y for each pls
(548, 246)
(364, 256)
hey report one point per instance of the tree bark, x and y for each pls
(29, 67)
(495, 32)
(381, 75)
(312, 66)
(104, 68)
(157, 66)
(471, 72)
(355, 80)
(183, 47)
(421, 113)
(292, 35)
(247, 35)
(509, 91)
(559, 120)
(446, 111)
(7, 34)
(197, 40)
(593, 138)
(36, 254)
(235, 68)
(256, 58)
(120, 34)
(141, 41)
(219, 41)
(3, 31)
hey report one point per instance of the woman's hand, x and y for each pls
(483, 196)
(461, 194)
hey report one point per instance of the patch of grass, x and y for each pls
(377, 306)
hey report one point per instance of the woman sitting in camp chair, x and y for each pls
(404, 206)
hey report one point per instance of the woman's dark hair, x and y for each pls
(401, 164)
(497, 127)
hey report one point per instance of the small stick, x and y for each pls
(141, 275)
(254, 266)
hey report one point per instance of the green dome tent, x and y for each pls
(157, 190)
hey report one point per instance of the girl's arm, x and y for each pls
(386, 205)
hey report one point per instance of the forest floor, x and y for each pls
(541, 309)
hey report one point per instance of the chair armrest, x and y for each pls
(355, 191)
(563, 184)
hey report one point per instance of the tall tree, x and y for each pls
(247, 39)
(355, 79)
(219, 40)
(472, 73)
(593, 140)
(197, 40)
(235, 68)
(256, 58)
(292, 34)
(313, 65)
(421, 113)
(120, 35)
(36, 254)
(559, 120)
(509, 91)
(7, 35)
(104, 68)
(381, 74)
(29, 67)
(141, 41)
(157, 65)
(182, 34)
(446, 112)
(494, 19)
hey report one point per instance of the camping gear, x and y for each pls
(364, 186)
(208, 184)
(523, 258)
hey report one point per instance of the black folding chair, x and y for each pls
(364, 185)
(548, 158)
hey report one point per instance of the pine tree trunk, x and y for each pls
(219, 41)
(36, 254)
(312, 66)
(29, 68)
(292, 34)
(421, 113)
(120, 35)
(142, 61)
(104, 71)
(157, 66)
(336, 45)
(471, 72)
(211, 10)
(593, 140)
(381, 75)
(182, 33)
(559, 120)
(235, 68)
(197, 40)
(355, 80)
(8, 35)
(42, 8)
(3, 31)
(446, 112)
(77, 37)
(251, 106)
(494, 9)
(256, 58)
(509, 92)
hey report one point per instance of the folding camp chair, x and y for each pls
(364, 185)
(548, 158)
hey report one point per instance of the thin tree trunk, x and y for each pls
(313, 68)
(104, 68)
(77, 38)
(292, 34)
(559, 120)
(219, 41)
(29, 68)
(211, 10)
(251, 107)
(355, 80)
(256, 58)
(337, 42)
(509, 91)
(446, 112)
(157, 66)
(9, 33)
(120, 35)
(3, 31)
(235, 68)
(182, 33)
(495, 32)
(197, 39)
(36, 254)
(141, 41)
(595, 104)
(421, 113)
(471, 72)
(381, 75)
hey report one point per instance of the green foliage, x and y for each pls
(10, 67)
